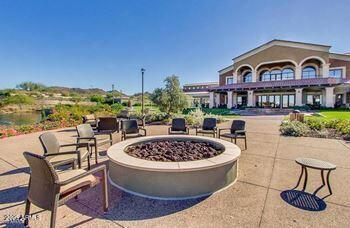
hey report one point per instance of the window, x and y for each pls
(229, 80)
(287, 74)
(275, 75)
(309, 72)
(336, 73)
(247, 77)
(265, 76)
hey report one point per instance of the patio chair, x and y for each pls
(53, 153)
(209, 127)
(90, 119)
(87, 135)
(130, 129)
(237, 131)
(178, 126)
(108, 124)
(49, 189)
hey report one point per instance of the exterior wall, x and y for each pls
(276, 53)
(341, 63)
(222, 77)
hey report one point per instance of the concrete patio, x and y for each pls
(266, 169)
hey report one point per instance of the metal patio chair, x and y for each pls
(237, 131)
(208, 127)
(49, 189)
(178, 126)
(130, 129)
(57, 157)
(87, 135)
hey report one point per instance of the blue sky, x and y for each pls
(98, 43)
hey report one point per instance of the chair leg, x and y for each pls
(53, 216)
(105, 192)
(245, 142)
(236, 141)
(26, 214)
(96, 154)
(88, 160)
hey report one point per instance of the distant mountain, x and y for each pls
(67, 90)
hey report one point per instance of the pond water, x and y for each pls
(24, 118)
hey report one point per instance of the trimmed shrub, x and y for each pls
(294, 128)
(316, 124)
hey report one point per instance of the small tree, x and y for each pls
(171, 98)
(31, 86)
(97, 98)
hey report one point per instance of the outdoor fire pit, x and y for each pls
(172, 166)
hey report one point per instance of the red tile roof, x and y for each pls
(282, 84)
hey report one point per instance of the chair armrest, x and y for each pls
(87, 173)
(240, 131)
(143, 129)
(223, 129)
(91, 138)
(68, 161)
(74, 144)
(61, 153)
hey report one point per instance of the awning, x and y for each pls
(301, 83)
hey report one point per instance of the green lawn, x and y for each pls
(152, 109)
(333, 114)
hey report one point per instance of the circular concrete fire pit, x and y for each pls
(173, 179)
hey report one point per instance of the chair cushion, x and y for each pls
(86, 181)
(206, 131)
(178, 132)
(229, 135)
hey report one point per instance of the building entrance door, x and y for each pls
(338, 100)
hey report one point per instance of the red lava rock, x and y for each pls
(171, 150)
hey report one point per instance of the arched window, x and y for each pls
(265, 76)
(247, 77)
(287, 73)
(276, 75)
(309, 72)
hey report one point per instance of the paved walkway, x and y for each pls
(266, 169)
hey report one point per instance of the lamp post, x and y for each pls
(113, 93)
(142, 104)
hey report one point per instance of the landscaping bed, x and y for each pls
(317, 127)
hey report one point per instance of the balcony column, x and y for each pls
(298, 97)
(298, 72)
(329, 97)
(250, 98)
(211, 99)
(325, 70)
(229, 99)
(254, 76)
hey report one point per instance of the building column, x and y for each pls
(254, 76)
(325, 70)
(229, 99)
(211, 99)
(298, 72)
(234, 100)
(329, 97)
(217, 99)
(298, 97)
(250, 98)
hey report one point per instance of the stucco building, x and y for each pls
(284, 74)
(199, 93)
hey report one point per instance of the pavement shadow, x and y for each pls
(13, 195)
(303, 200)
(16, 171)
